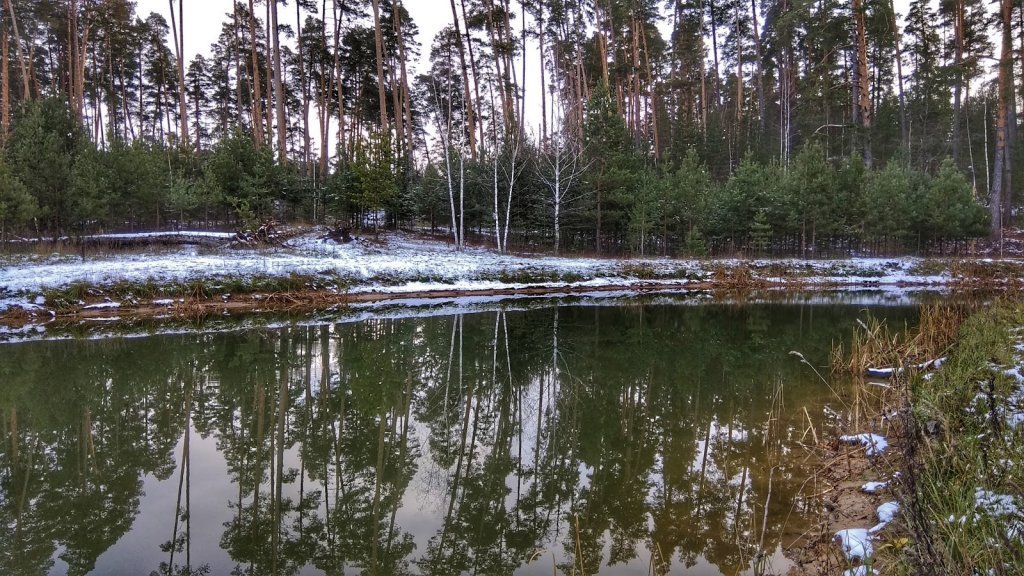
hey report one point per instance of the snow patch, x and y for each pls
(886, 512)
(102, 306)
(997, 506)
(855, 543)
(873, 443)
(1015, 374)
(874, 487)
(401, 259)
(889, 372)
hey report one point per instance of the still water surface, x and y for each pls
(630, 439)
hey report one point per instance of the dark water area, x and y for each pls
(627, 439)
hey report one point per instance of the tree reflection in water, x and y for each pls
(584, 437)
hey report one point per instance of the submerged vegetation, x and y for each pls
(874, 344)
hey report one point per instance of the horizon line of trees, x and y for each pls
(767, 126)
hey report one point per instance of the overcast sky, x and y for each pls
(203, 20)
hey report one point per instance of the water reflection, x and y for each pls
(590, 439)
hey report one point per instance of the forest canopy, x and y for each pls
(677, 127)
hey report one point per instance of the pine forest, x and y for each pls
(644, 127)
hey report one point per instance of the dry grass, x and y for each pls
(874, 344)
(736, 277)
(955, 443)
(982, 273)
(948, 444)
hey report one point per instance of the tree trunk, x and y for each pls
(406, 96)
(26, 81)
(602, 45)
(72, 72)
(305, 91)
(282, 124)
(324, 96)
(378, 41)
(904, 129)
(863, 101)
(338, 14)
(178, 35)
(739, 72)
(543, 82)
(476, 77)
(714, 52)
(5, 89)
(1000, 181)
(197, 118)
(760, 69)
(470, 116)
(653, 97)
(958, 76)
(501, 72)
(268, 114)
(257, 97)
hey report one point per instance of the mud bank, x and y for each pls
(95, 303)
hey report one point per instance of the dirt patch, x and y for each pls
(842, 504)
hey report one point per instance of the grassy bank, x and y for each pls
(960, 473)
(962, 476)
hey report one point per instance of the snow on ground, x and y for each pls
(873, 443)
(102, 306)
(401, 263)
(855, 543)
(997, 506)
(886, 513)
(874, 487)
(890, 372)
(1010, 407)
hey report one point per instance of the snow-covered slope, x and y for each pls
(402, 263)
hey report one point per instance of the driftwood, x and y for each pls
(266, 235)
(129, 241)
(340, 234)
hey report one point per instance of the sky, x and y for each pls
(203, 20)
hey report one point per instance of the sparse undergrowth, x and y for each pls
(73, 295)
(952, 408)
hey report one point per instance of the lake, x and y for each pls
(644, 437)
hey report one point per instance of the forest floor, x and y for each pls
(205, 273)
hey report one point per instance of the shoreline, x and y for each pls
(952, 469)
(310, 274)
(98, 306)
